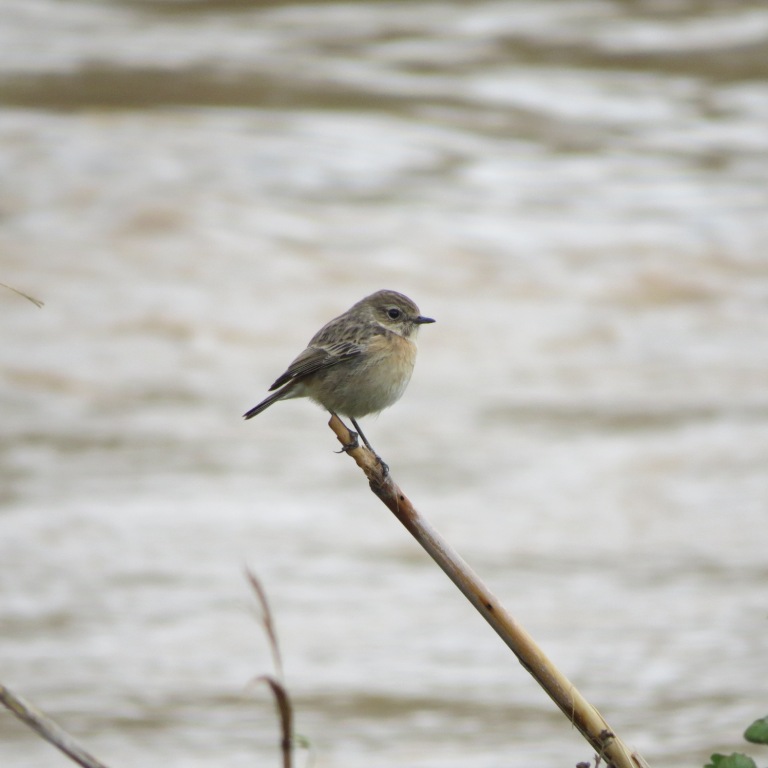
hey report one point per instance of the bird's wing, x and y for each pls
(314, 359)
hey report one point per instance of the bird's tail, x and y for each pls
(264, 404)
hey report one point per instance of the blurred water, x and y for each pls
(577, 191)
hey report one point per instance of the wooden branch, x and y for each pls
(590, 723)
(49, 730)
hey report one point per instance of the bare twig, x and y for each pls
(35, 301)
(576, 708)
(49, 730)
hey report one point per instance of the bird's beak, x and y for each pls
(421, 320)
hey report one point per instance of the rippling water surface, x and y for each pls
(577, 191)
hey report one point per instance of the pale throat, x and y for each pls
(399, 332)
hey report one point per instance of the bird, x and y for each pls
(357, 364)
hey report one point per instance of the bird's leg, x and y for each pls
(384, 467)
(365, 439)
(352, 444)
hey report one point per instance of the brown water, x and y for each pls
(577, 191)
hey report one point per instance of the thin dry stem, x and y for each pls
(35, 301)
(279, 691)
(267, 621)
(576, 708)
(48, 729)
(285, 712)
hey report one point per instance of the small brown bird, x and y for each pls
(358, 363)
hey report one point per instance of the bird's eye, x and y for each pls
(394, 313)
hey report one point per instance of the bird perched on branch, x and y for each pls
(358, 363)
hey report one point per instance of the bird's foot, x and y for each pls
(351, 445)
(384, 466)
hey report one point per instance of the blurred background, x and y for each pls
(577, 191)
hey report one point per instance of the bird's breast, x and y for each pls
(370, 382)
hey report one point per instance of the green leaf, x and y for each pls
(757, 733)
(736, 760)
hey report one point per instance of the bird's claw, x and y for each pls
(351, 445)
(384, 466)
